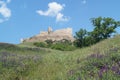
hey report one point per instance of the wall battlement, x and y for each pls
(51, 35)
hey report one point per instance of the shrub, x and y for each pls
(63, 45)
(49, 42)
(40, 44)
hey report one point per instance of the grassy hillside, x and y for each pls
(26, 62)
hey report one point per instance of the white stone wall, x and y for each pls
(55, 35)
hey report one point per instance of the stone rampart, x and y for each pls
(52, 35)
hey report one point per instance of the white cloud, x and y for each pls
(61, 17)
(84, 1)
(54, 10)
(4, 11)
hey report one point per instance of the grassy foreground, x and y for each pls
(26, 62)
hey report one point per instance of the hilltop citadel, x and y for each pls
(52, 35)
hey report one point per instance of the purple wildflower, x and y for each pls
(118, 72)
(116, 69)
(96, 56)
(102, 70)
(100, 73)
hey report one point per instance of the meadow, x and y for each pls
(27, 62)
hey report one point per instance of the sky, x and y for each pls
(25, 18)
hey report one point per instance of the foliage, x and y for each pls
(49, 42)
(40, 44)
(63, 45)
(103, 29)
(80, 38)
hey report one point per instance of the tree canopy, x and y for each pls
(103, 29)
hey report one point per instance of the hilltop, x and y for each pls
(27, 62)
(57, 35)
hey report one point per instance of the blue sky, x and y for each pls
(25, 18)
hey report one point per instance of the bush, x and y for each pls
(40, 44)
(63, 45)
(49, 42)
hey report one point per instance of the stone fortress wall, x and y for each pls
(51, 35)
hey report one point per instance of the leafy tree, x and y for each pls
(80, 38)
(103, 28)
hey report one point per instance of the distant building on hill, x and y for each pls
(52, 35)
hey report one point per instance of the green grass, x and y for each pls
(27, 62)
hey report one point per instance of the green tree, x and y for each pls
(103, 28)
(80, 38)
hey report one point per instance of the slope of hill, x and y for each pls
(20, 62)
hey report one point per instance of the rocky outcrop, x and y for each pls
(52, 35)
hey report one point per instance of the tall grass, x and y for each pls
(48, 64)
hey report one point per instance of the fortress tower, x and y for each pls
(49, 30)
